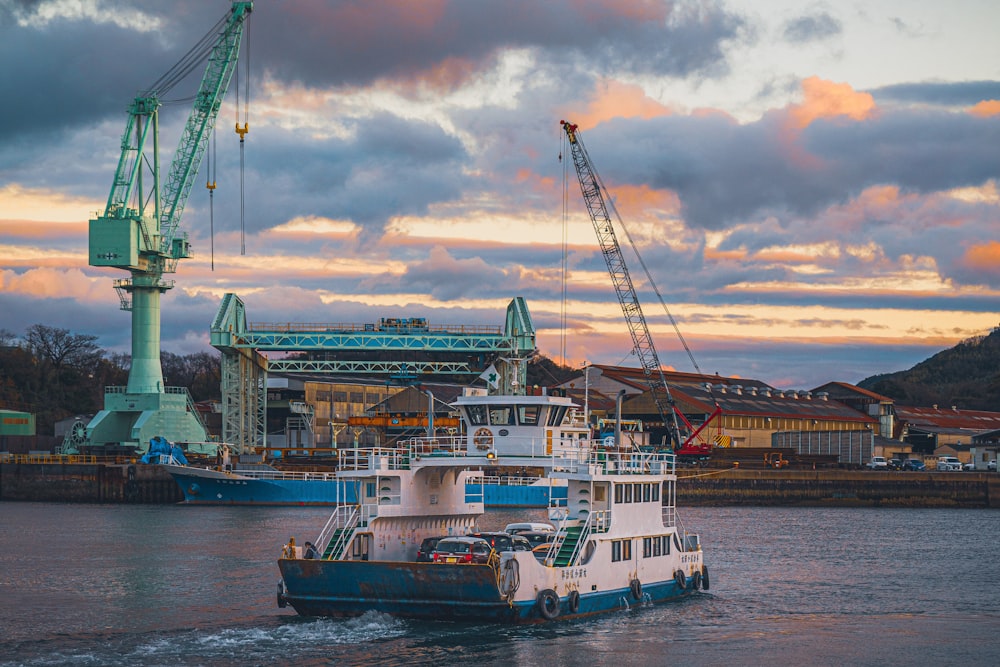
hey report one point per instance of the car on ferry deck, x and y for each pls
(536, 537)
(504, 541)
(461, 550)
(426, 548)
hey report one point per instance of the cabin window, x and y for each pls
(647, 547)
(619, 493)
(628, 493)
(655, 489)
(647, 492)
(599, 494)
(621, 550)
(476, 414)
(502, 416)
(556, 415)
(657, 546)
(529, 415)
(369, 489)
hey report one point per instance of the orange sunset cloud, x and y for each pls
(826, 99)
(984, 257)
(613, 99)
(986, 108)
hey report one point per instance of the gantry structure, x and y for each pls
(245, 365)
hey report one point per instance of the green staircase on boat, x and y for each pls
(335, 547)
(568, 546)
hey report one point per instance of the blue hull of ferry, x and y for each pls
(435, 591)
(320, 492)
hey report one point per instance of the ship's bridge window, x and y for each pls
(502, 415)
(556, 415)
(528, 414)
(476, 414)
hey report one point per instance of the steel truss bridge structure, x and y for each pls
(245, 368)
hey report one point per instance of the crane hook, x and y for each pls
(242, 131)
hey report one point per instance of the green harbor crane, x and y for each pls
(139, 231)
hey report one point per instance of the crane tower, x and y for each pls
(592, 189)
(139, 232)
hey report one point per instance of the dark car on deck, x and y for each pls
(536, 537)
(461, 550)
(426, 548)
(504, 541)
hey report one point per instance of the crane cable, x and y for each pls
(649, 277)
(210, 184)
(652, 283)
(242, 131)
(565, 247)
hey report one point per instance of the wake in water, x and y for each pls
(300, 640)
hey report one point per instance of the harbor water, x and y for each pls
(182, 585)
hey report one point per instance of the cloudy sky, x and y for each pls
(813, 186)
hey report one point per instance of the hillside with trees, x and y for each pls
(966, 376)
(56, 374)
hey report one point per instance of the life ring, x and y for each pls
(548, 604)
(680, 579)
(573, 601)
(636, 587)
(704, 577)
(482, 439)
(282, 602)
(696, 581)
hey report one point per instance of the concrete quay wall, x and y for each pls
(834, 488)
(87, 483)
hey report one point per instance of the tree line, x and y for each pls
(55, 373)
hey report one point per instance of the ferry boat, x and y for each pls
(616, 544)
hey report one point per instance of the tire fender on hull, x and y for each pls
(680, 579)
(282, 602)
(696, 581)
(635, 586)
(704, 577)
(548, 604)
(573, 601)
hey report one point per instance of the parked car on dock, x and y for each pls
(948, 463)
(878, 463)
(914, 464)
(992, 466)
(895, 464)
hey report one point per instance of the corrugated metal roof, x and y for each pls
(953, 418)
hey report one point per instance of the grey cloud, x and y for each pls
(958, 93)
(812, 28)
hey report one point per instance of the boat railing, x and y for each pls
(373, 458)
(509, 480)
(344, 517)
(614, 462)
(601, 521)
(444, 446)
